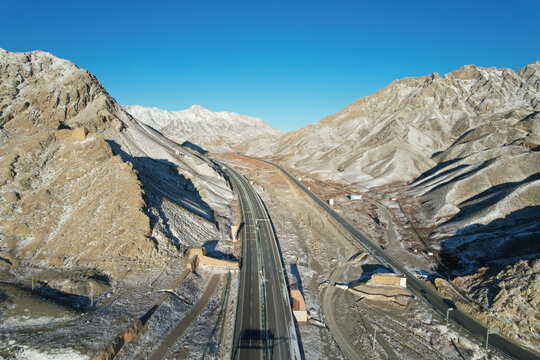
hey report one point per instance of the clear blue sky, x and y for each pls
(288, 62)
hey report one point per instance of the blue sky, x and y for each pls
(288, 62)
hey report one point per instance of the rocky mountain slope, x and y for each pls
(470, 142)
(96, 210)
(217, 132)
(511, 295)
(483, 196)
(393, 134)
(83, 184)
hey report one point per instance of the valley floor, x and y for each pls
(317, 254)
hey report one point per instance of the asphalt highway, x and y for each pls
(500, 343)
(264, 325)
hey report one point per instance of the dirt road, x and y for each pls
(169, 342)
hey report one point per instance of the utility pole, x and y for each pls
(91, 296)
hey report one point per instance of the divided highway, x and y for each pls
(264, 325)
(502, 344)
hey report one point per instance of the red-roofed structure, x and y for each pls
(298, 306)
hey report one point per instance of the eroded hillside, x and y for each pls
(393, 135)
(59, 206)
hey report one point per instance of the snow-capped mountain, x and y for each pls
(214, 131)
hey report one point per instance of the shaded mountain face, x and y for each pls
(394, 134)
(83, 184)
(482, 195)
(218, 132)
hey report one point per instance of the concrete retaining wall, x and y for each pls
(197, 256)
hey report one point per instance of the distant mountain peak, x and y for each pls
(215, 131)
(197, 107)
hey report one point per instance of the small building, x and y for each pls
(355, 197)
(234, 232)
(330, 201)
(298, 306)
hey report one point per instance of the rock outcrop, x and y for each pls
(83, 184)
(66, 199)
(40, 90)
(71, 202)
(509, 295)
